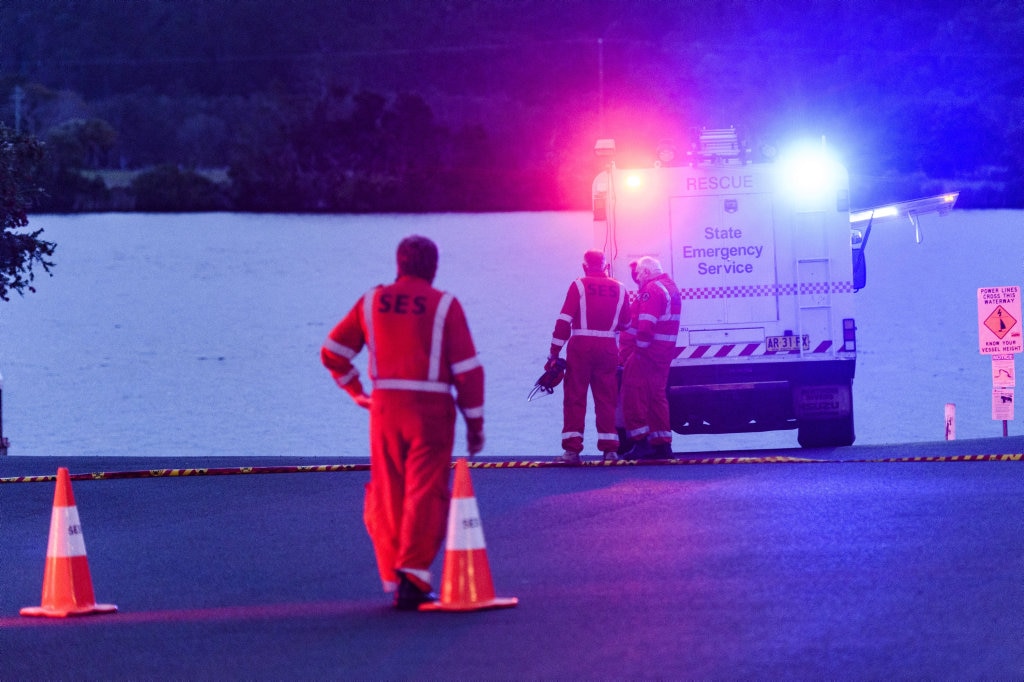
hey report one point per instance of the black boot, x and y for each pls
(662, 451)
(640, 450)
(409, 595)
(625, 442)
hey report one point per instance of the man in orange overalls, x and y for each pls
(595, 308)
(419, 347)
(646, 351)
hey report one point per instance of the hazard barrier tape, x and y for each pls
(804, 460)
(951, 458)
(509, 464)
(179, 473)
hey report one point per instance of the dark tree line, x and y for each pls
(21, 157)
(430, 105)
(361, 152)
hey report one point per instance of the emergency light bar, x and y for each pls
(940, 204)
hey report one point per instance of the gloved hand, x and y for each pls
(363, 400)
(550, 364)
(474, 441)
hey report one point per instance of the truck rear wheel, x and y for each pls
(826, 433)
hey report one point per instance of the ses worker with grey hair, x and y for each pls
(646, 351)
(595, 309)
(419, 348)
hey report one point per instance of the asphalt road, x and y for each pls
(859, 565)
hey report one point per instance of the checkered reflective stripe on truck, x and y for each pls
(756, 290)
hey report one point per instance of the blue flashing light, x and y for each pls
(809, 172)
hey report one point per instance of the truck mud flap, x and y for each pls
(820, 402)
(732, 408)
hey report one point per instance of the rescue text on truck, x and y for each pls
(767, 256)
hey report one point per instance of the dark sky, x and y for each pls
(889, 82)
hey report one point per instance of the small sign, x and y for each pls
(1002, 404)
(999, 320)
(1003, 374)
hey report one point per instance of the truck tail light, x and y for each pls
(849, 334)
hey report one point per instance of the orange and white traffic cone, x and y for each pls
(466, 583)
(67, 585)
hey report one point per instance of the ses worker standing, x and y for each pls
(595, 308)
(646, 351)
(419, 346)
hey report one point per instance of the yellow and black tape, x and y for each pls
(506, 464)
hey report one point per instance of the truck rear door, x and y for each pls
(724, 254)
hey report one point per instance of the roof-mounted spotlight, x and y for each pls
(605, 147)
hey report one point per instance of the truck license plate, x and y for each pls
(783, 343)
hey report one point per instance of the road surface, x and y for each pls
(857, 564)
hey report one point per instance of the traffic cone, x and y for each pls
(466, 583)
(67, 585)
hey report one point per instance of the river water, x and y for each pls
(166, 335)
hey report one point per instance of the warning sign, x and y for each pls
(999, 320)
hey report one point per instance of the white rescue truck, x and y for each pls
(767, 257)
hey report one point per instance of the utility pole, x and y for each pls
(600, 84)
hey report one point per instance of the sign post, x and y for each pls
(1003, 382)
(999, 336)
(4, 443)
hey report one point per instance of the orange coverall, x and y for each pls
(419, 346)
(595, 308)
(646, 352)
